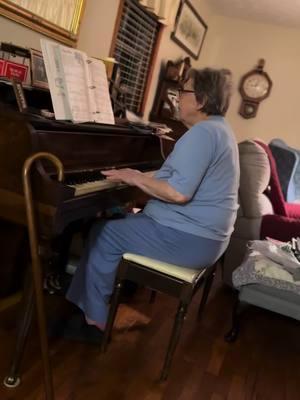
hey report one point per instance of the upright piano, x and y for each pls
(84, 151)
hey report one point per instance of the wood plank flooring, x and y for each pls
(264, 364)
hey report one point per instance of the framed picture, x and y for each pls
(190, 29)
(38, 70)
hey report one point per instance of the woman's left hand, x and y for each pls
(126, 175)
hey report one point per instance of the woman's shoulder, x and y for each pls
(204, 129)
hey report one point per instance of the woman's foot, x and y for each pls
(76, 328)
(89, 321)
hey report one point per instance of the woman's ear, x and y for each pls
(201, 104)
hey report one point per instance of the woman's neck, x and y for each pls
(198, 118)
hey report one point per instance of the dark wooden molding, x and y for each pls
(116, 29)
(151, 68)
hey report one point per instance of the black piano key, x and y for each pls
(84, 177)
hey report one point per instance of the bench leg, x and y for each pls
(112, 314)
(207, 286)
(179, 319)
(238, 309)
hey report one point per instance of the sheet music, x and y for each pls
(55, 75)
(74, 64)
(101, 104)
(78, 84)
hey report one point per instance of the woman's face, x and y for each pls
(188, 106)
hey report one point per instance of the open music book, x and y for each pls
(78, 85)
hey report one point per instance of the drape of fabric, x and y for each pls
(165, 10)
(56, 11)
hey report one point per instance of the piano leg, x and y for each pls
(12, 380)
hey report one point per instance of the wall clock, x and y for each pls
(255, 86)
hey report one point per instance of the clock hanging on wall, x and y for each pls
(255, 86)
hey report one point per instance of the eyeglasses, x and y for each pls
(180, 91)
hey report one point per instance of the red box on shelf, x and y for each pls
(2, 67)
(15, 71)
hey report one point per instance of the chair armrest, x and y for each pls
(293, 210)
(280, 228)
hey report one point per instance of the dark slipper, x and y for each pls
(77, 329)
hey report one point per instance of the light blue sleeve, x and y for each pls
(190, 159)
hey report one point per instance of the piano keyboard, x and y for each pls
(97, 185)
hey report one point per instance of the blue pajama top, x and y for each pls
(204, 165)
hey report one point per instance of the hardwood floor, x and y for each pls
(264, 363)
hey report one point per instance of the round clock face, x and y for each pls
(256, 86)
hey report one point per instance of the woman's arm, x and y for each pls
(148, 184)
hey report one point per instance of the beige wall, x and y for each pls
(238, 45)
(169, 50)
(18, 34)
(97, 30)
(97, 27)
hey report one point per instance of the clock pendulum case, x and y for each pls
(255, 86)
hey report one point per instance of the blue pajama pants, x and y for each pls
(93, 282)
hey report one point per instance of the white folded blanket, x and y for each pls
(279, 252)
(271, 264)
(270, 269)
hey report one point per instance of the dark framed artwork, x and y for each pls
(170, 103)
(38, 70)
(190, 29)
(173, 75)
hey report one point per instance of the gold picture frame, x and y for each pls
(12, 10)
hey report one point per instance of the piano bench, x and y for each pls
(170, 279)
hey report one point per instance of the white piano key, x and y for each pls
(90, 187)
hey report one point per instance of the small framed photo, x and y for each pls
(38, 70)
(170, 106)
(190, 29)
(20, 97)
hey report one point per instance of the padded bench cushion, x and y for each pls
(279, 301)
(184, 274)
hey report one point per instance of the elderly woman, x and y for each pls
(194, 202)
